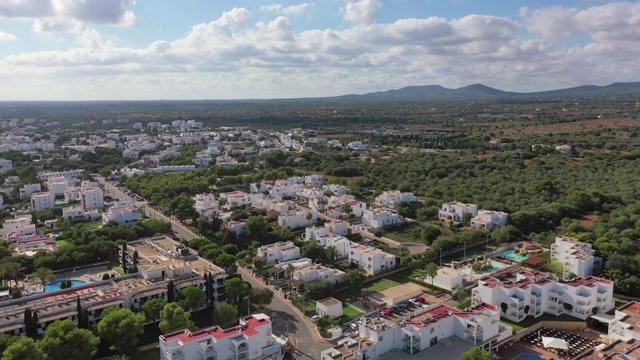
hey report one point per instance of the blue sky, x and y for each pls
(217, 49)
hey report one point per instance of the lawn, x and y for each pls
(119, 270)
(380, 285)
(63, 244)
(351, 312)
(530, 320)
(403, 233)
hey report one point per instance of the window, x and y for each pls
(380, 338)
(432, 330)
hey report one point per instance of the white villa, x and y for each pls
(279, 252)
(391, 198)
(381, 218)
(371, 260)
(576, 257)
(296, 219)
(236, 198)
(454, 211)
(337, 227)
(122, 213)
(206, 205)
(490, 220)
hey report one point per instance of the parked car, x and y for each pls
(386, 312)
(421, 300)
(396, 308)
(315, 318)
(414, 302)
(353, 326)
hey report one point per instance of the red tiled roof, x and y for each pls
(218, 333)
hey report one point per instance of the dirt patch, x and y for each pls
(589, 220)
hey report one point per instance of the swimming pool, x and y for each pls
(495, 266)
(57, 201)
(529, 357)
(514, 256)
(56, 233)
(55, 286)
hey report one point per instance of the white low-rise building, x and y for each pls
(576, 257)
(381, 218)
(251, 339)
(10, 225)
(206, 205)
(313, 180)
(122, 213)
(336, 189)
(330, 306)
(306, 271)
(42, 200)
(455, 211)
(294, 219)
(536, 293)
(340, 243)
(237, 227)
(371, 260)
(337, 227)
(29, 189)
(285, 189)
(236, 198)
(78, 213)
(336, 205)
(357, 145)
(279, 252)
(391, 198)
(58, 185)
(447, 278)
(46, 175)
(490, 220)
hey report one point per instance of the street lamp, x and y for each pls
(304, 302)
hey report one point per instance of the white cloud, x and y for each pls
(4, 37)
(293, 10)
(360, 11)
(68, 15)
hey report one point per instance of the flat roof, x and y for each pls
(330, 301)
(252, 323)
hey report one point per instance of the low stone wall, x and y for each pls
(557, 325)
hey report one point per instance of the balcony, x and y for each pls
(411, 339)
(178, 355)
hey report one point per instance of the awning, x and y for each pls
(551, 342)
(605, 318)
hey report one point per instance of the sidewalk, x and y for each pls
(314, 330)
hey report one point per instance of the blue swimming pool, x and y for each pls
(529, 357)
(56, 233)
(495, 266)
(514, 256)
(55, 286)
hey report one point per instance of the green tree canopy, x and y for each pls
(64, 340)
(174, 318)
(192, 298)
(225, 314)
(182, 207)
(261, 296)
(257, 227)
(236, 289)
(120, 328)
(475, 353)
(24, 348)
(152, 308)
(354, 280)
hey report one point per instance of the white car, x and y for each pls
(415, 302)
(315, 318)
(353, 326)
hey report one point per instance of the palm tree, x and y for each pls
(290, 269)
(10, 271)
(332, 254)
(322, 202)
(431, 270)
(45, 275)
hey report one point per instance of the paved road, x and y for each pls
(286, 321)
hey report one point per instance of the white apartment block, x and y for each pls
(236, 198)
(29, 189)
(279, 252)
(297, 180)
(263, 201)
(337, 227)
(92, 198)
(285, 189)
(424, 328)
(313, 180)
(391, 198)
(237, 227)
(225, 161)
(306, 271)
(260, 187)
(371, 260)
(381, 218)
(284, 207)
(576, 257)
(311, 193)
(10, 225)
(46, 175)
(251, 339)
(336, 189)
(58, 185)
(78, 213)
(206, 205)
(294, 219)
(42, 200)
(454, 211)
(536, 293)
(624, 324)
(122, 213)
(490, 220)
(131, 154)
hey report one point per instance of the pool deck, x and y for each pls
(89, 275)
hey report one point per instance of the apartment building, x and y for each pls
(294, 219)
(251, 339)
(206, 205)
(285, 189)
(490, 220)
(455, 211)
(46, 175)
(381, 218)
(576, 257)
(42, 200)
(537, 293)
(91, 198)
(236, 198)
(122, 213)
(10, 225)
(29, 189)
(58, 185)
(336, 203)
(279, 252)
(391, 198)
(337, 227)
(341, 244)
(371, 260)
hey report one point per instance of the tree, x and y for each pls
(475, 353)
(462, 293)
(120, 328)
(320, 290)
(331, 254)
(466, 219)
(431, 271)
(24, 348)
(346, 208)
(192, 298)
(430, 233)
(44, 275)
(261, 296)
(152, 308)
(506, 234)
(313, 251)
(123, 261)
(290, 270)
(225, 314)
(259, 265)
(174, 318)
(236, 289)
(354, 280)
(322, 202)
(257, 227)
(6, 340)
(171, 291)
(227, 262)
(64, 340)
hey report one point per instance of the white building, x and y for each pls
(251, 339)
(306, 271)
(137, 125)
(313, 180)
(77, 213)
(564, 149)
(329, 307)
(371, 260)
(206, 205)
(336, 189)
(29, 189)
(391, 198)
(122, 213)
(20, 221)
(237, 227)
(294, 219)
(261, 187)
(46, 175)
(337, 227)
(42, 200)
(5, 165)
(538, 293)
(279, 252)
(490, 220)
(623, 325)
(381, 218)
(576, 257)
(341, 244)
(285, 189)
(58, 185)
(130, 153)
(91, 198)
(336, 203)
(357, 145)
(447, 278)
(236, 198)
(454, 211)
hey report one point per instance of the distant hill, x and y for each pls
(479, 91)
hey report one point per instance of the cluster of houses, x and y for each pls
(485, 219)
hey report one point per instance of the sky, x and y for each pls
(261, 49)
